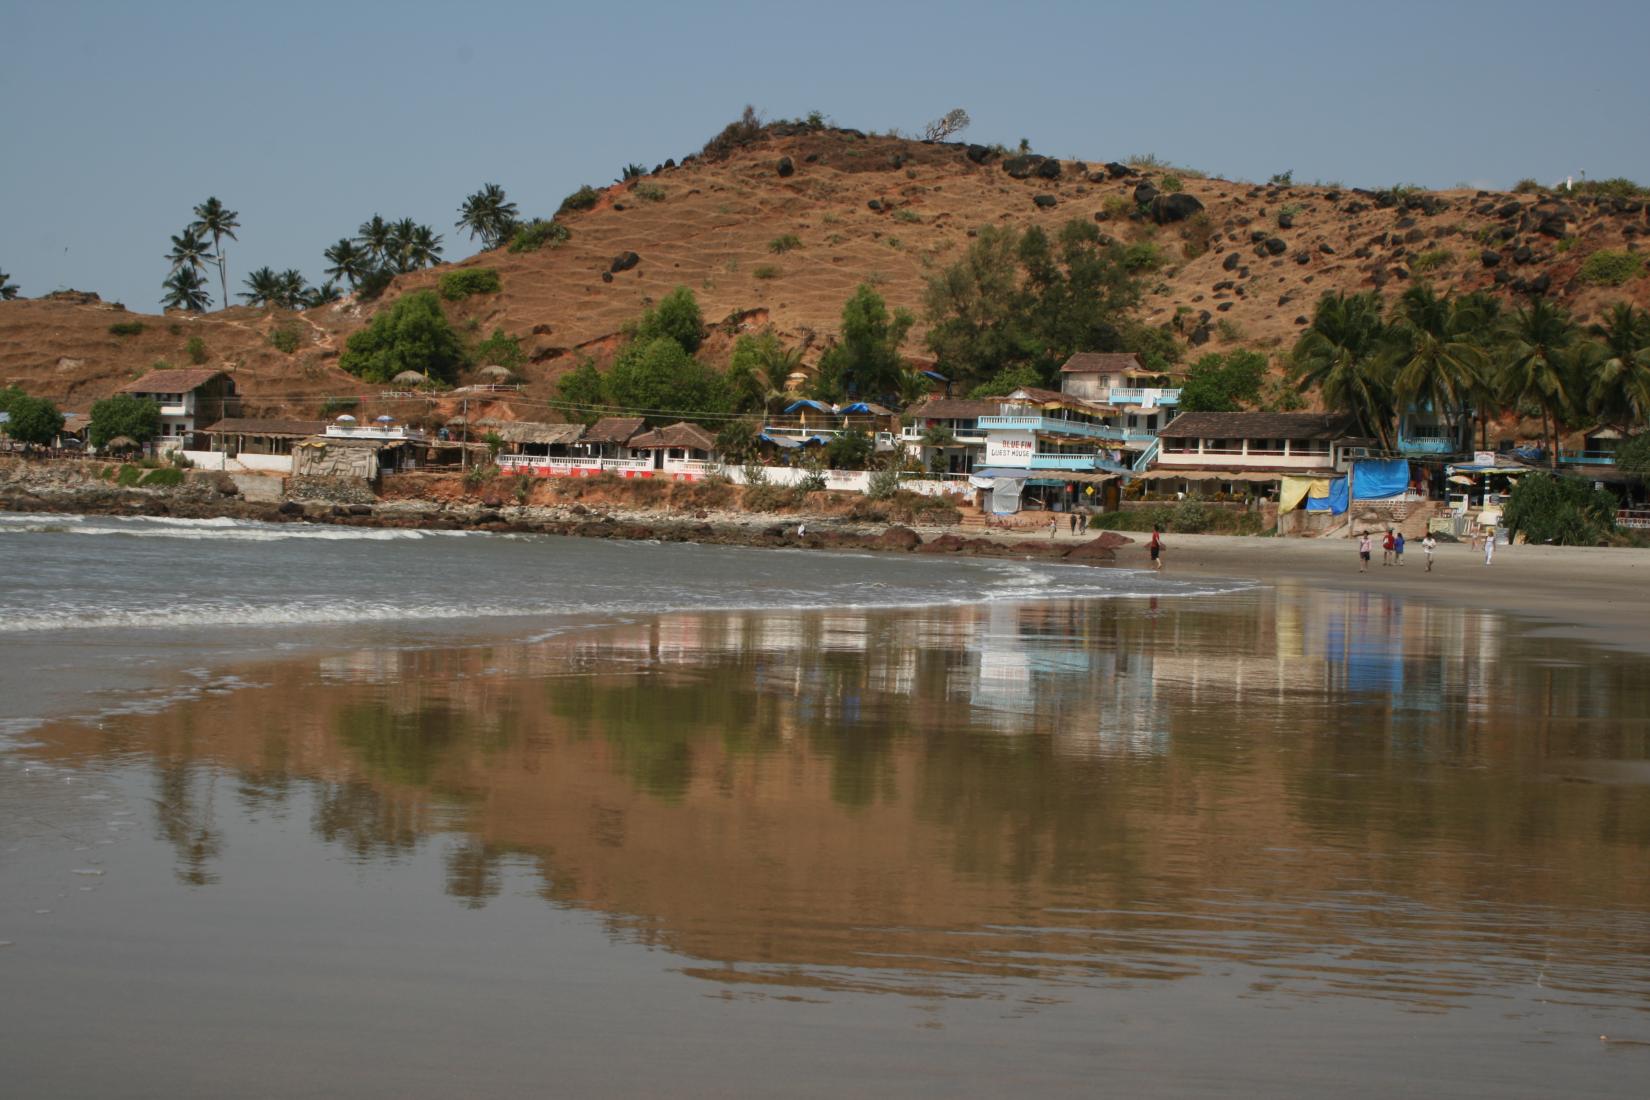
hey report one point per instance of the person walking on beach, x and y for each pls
(1386, 547)
(1366, 547)
(1489, 545)
(1398, 548)
(1156, 548)
(1074, 518)
(1428, 545)
(1053, 526)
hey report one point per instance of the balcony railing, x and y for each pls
(911, 433)
(1587, 458)
(1146, 396)
(1051, 426)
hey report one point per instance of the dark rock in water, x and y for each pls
(290, 508)
(898, 538)
(1093, 550)
(945, 544)
(1276, 246)
(1489, 257)
(624, 261)
(1048, 169)
(1044, 201)
(1174, 207)
(979, 154)
(1144, 193)
(786, 166)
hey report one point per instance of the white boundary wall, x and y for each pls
(241, 464)
(842, 481)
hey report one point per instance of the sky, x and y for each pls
(116, 119)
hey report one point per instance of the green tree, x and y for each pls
(8, 394)
(585, 389)
(33, 420)
(1341, 356)
(1437, 356)
(1009, 379)
(324, 294)
(1541, 366)
(658, 379)
(676, 317)
(8, 290)
(865, 363)
(264, 288)
(138, 419)
(736, 442)
(217, 220)
(185, 289)
(350, 261)
(850, 451)
(1633, 455)
(1619, 364)
(487, 214)
(375, 236)
(189, 249)
(1561, 510)
(413, 334)
(1223, 382)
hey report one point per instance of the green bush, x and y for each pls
(1562, 510)
(196, 350)
(1170, 183)
(126, 328)
(585, 198)
(649, 192)
(413, 334)
(161, 479)
(1607, 268)
(538, 233)
(33, 420)
(333, 405)
(457, 285)
(285, 339)
(123, 414)
(766, 271)
(905, 215)
(1431, 261)
(780, 245)
(500, 349)
(884, 483)
(129, 475)
(772, 498)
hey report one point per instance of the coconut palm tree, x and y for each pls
(349, 261)
(375, 236)
(264, 288)
(1541, 365)
(8, 291)
(777, 364)
(325, 294)
(1342, 356)
(186, 289)
(294, 291)
(189, 249)
(215, 218)
(1619, 364)
(424, 249)
(488, 215)
(1437, 359)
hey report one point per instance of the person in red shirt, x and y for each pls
(1156, 548)
(1388, 544)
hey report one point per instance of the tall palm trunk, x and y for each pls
(223, 270)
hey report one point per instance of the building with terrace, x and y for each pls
(1240, 453)
(188, 399)
(1120, 381)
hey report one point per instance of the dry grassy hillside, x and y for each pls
(1244, 271)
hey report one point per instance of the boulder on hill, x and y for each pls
(979, 154)
(1275, 245)
(786, 166)
(1048, 169)
(1118, 171)
(1489, 257)
(1044, 201)
(1024, 166)
(1144, 193)
(1174, 207)
(624, 261)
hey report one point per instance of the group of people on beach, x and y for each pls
(1392, 548)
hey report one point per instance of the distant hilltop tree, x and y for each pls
(8, 291)
(214, 218)
(953, 122)
(489, 215)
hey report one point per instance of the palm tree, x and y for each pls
(488, 215)
(1541, 365)
(263, 288)
(8, 291)
(186, 289)
(1620, 366)
(349, 261)
(424, 250)
(398, 255)
(189, 250)
(1437, 359)
(375, 236)
(777, 365)
(1479, 317)
(324, 294)
(1340, 355)
(293, 291)
(213, 217)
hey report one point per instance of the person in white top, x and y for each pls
(1489, 545)
(1429, 544)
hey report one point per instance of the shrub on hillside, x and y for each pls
(505, 351)
(126, 328)
(741, 131)
(585, 198)
(1431, 260)
(413, 334)
(766, 271)
(649, 192)
(161, 479)
(538, 233)
(285, 339)
(196, 350)
(458, 285)
(1607, 268)
(780, 245)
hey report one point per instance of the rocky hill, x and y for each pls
(780, 230)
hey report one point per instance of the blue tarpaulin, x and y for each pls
(808, 403)
(1334, 503)
(1378, 479)
(778, 440)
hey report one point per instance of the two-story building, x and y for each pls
(944, 433)
(1248, 453)
(1122, 383)
(189, 400)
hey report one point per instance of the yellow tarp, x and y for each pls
(1297, 489)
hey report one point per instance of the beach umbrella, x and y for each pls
(346, 419)
(385, 419)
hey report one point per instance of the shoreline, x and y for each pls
(1596, 594)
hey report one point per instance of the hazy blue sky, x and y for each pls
(309, 118)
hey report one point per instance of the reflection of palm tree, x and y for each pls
(186, 826)
(473, 873)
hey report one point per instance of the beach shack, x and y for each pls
(1240, 455)
(254, 443)
(531, 446)
(685, 452)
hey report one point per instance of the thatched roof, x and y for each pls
(613, 429)
(409, 378)
(1256, 425)
(681, 434)
(529, 431)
